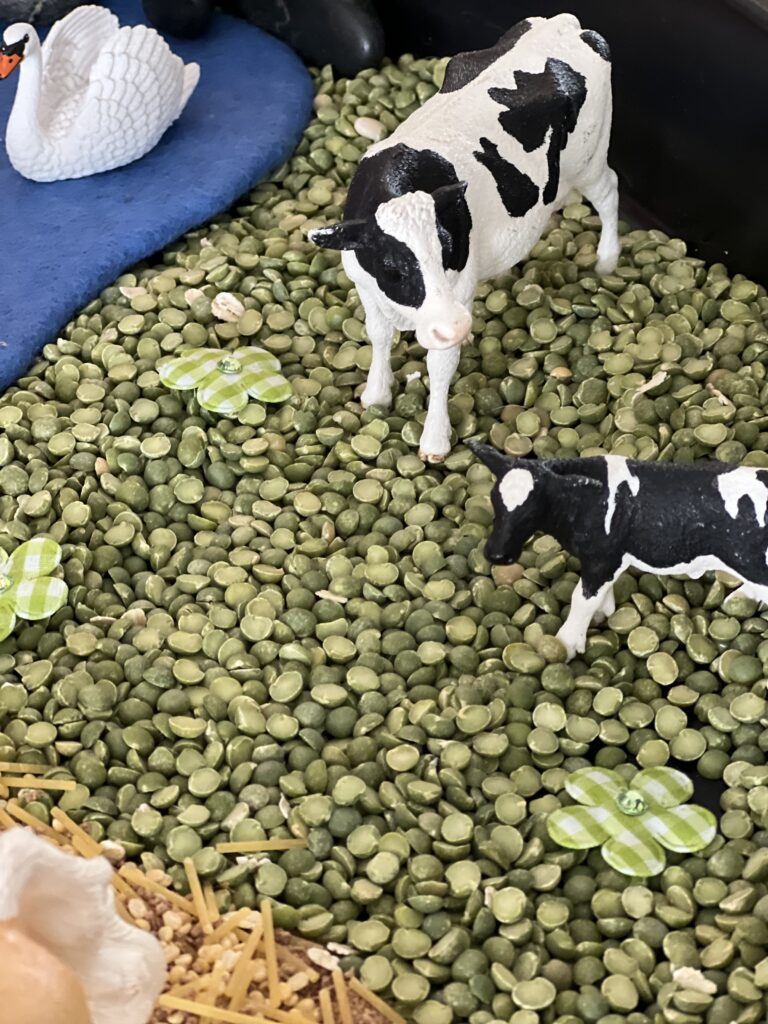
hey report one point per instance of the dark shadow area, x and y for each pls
(706, 792)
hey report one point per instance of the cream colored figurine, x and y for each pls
(66, 956)
(93, 97)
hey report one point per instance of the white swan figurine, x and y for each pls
(93, 97)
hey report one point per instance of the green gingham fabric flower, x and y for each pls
(224, 380)
(26, 589)
(632, 821)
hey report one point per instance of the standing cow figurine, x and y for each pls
(463, 189)
(615, 514)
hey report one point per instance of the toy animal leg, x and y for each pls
(573, 632)
(378, 388)
(603, 193)
(607, 608)
(436, 434)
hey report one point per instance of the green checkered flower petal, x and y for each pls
(190, 370)
(636, 820)
(37, 599)
(224, 379)
(261, 377)
(662, 787)
(634, 852)
(257, 359)
(595, 787)
(683, 829)
(37, 557)
(222, 394)
(271, 388)
(7, 621)
(579, 828)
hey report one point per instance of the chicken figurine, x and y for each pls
(92, 97)
(66, 955)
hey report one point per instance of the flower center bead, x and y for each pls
(5, 584)
(631, 802)
(228, 364)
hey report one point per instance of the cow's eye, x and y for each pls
(394, 274)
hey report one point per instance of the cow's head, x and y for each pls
(517, 500)
(404, 247)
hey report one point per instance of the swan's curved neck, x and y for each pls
(24, 122)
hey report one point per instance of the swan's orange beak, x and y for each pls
(9, 62)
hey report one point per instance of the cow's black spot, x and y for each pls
(394, 266)
(545, 101)
(392, 172)
(598, 44)
(454, 222)
(399, 169)
(465, 67)
(516, 190)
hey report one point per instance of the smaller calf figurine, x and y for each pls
(615, 514)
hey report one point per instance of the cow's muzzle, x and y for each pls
(497, 556)
(445, 332)
(504, 546)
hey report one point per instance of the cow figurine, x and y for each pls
(464, 188)
(615, 514)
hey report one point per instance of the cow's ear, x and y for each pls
(347, 234)
(448, 197)
(496, 461)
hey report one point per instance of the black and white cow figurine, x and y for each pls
(615, 514)
(463, 189)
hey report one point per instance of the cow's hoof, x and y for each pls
(573, 645)
(382, 401)
(431, 457)
(606, 264)
(369, 397)
(570, 651)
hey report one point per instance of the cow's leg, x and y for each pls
(573, 632)
(603, 193)
(436, 435)
(378, 388)
(607, 608)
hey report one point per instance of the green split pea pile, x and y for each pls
(285, 625)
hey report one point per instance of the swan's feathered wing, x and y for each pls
(69, 53)
(137, 88)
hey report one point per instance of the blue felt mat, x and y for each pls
(63, 242)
